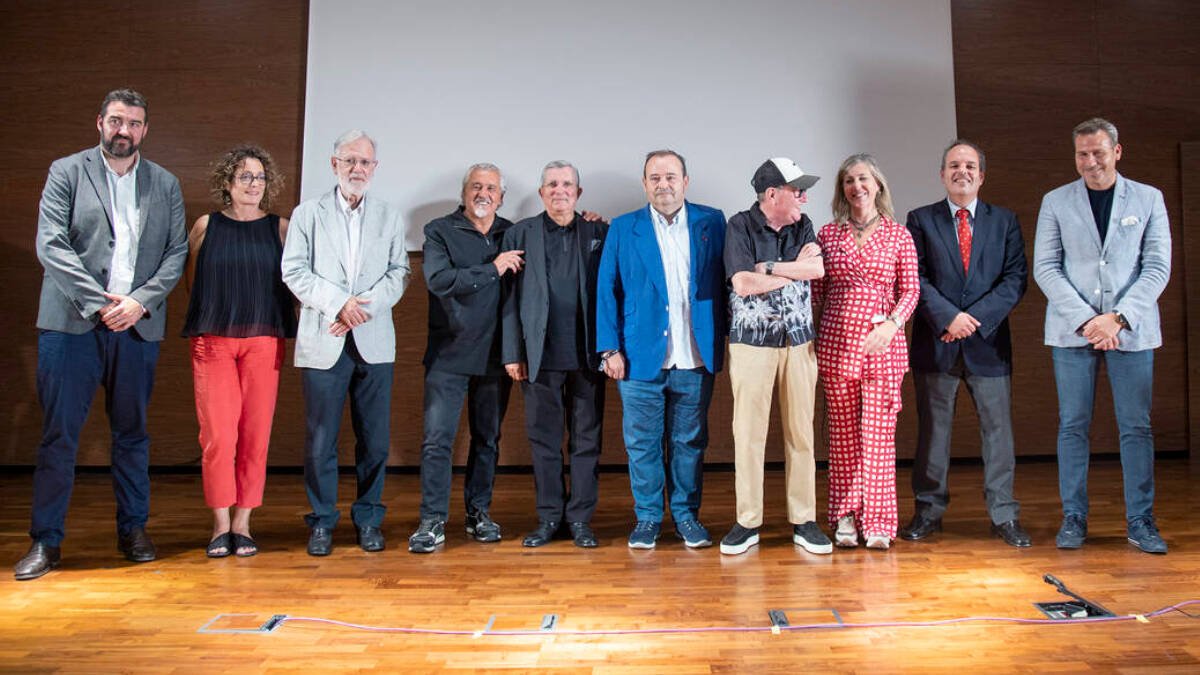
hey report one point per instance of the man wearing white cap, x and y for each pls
(770, 255)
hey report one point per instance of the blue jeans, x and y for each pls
(69, 369)
(1131, 376)
(672, 408)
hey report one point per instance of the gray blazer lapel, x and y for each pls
(1119, 207)
(94, 168)
(329, 222)
(1083, 210)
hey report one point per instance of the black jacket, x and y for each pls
(526, 307)
(465, 293)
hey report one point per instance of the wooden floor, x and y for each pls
(98, 613)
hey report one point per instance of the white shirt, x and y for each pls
(351, 221)
(954, 214)
(126, 219)
(675, 247)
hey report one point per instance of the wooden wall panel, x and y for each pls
(219, 72)
(1025, 74)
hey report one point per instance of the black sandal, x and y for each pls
(221, 546)
(241, 541)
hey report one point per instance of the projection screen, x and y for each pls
(445, 85)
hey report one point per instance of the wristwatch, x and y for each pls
(1121, 319)
(770, 267)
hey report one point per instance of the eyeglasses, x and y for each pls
(353, 162)
(248, 178)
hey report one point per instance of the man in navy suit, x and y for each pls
(973, 272)
(660, 329)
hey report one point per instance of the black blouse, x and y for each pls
(238, 290)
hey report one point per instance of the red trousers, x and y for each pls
(861, 418)
(237, 382)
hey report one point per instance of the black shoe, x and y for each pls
(545, 531)
(482, 528)
(920, 527)
(320, 541)
(583, 535)
(1013, 534)
(1073, 532)
(429, 535)
(136, 546)
(39, 560)
(370, 539)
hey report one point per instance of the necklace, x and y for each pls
(859, 228)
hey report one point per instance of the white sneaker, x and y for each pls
(880, 543)
(846, 535)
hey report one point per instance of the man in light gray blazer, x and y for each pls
(1102, 256)
(112, 240)
(345, 260)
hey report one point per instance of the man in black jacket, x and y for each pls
(463, 268)
(549, 346)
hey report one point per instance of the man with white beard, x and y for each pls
(345, 261)
(464, 269)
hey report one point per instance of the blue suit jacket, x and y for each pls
(994, 283)
(631, 291)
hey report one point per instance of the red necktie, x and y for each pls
(964, 237)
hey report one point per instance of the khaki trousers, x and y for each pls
(754, 373)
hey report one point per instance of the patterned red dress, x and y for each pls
(862, 392)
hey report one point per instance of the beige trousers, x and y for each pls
(754, 373)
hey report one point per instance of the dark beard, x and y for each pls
(120, 153)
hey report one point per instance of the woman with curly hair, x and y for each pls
(239, 315)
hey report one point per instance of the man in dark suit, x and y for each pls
(973, 272)
(549, 346)
(660, 327)
(112, 240)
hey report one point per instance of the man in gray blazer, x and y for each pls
(345, 260)
(1102, 256)
(111, 238)
(549, 347)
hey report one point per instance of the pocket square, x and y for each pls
(1130, 220)
(595, 244)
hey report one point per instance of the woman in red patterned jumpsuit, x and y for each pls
(869, 291)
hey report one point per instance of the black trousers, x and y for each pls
(487, 399)
(573, 399)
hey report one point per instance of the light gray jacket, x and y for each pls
(75, 244)
(1081, 278)
(314, 268)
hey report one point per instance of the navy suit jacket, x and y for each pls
(631, 291)
(995, 282)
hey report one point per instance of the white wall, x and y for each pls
(442, 86)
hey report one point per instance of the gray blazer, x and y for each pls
(1081, 278)
(314, 268)
(75, 244)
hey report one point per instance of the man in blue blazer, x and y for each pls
(1102, 256)
(971, 258)
(660, 330)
